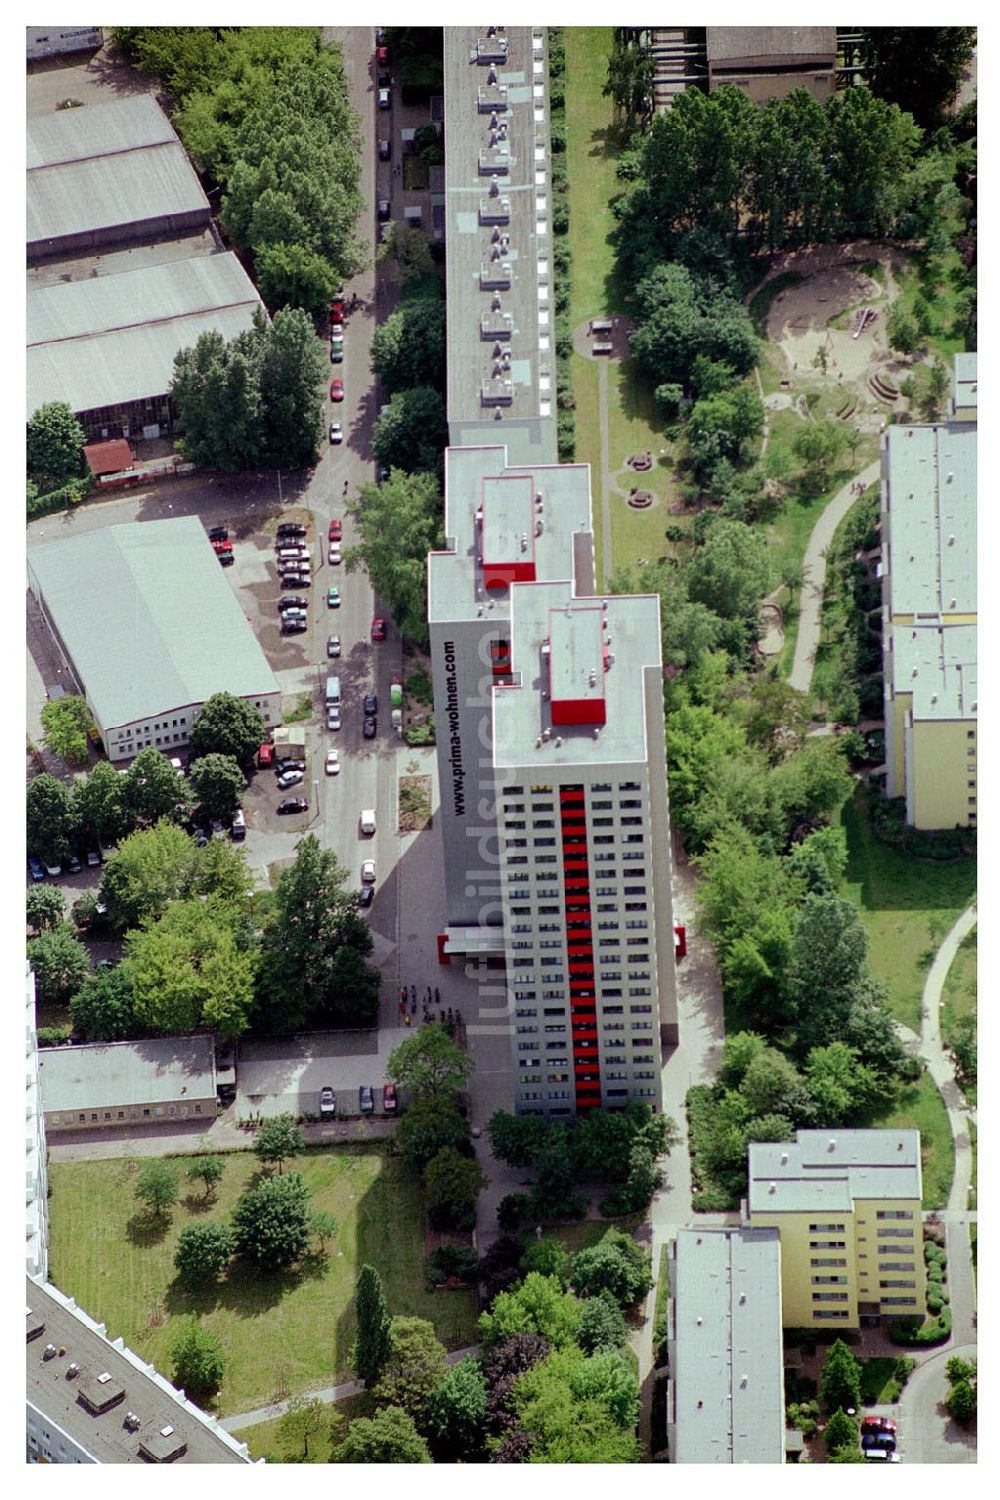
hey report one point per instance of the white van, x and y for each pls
(368, 821)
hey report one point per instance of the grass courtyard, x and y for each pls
(283, 1334)
(959, 994)
(633, 424)
(906, 904)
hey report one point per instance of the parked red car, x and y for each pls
(389, 1098)
(381, 56)
(877, 1424)
(336, 530)
(378, 629)
(336, 390)
(337, 310)
(265, 756)
(222, 547)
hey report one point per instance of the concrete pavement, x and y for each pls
(928, 1435)
(814, 576)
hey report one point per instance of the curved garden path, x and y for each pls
(814, 575)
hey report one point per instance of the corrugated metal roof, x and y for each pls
(96, 130)
(104, 166)
(149, 619)
(112, 339)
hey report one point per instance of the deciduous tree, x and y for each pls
(412, 433)
(430, 1063)
(218, 784)
(198, 1361)
(103, 1007)
(304, 1420)
(157, 1187)
(152, 789)
(840, 1379)
(55, 446)
(455, 1412)
(918, 68)
(203, 1250)
(98, 804)
(399, 522)
(539, 1305)
(389, 1437)
(228, 726)
(408, 349)
(150, 869)
(271, 1223)
(44, 907)
(312, 916)
(66, 723)
(278, 1139)
(452, 1183)
(50, 819)
(60, 962)
(616, 1264)
(429, 1124)
(207, 1170)
(188, 970)
(415, 1367)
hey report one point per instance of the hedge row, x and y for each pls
(561, 255)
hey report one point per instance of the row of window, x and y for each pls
(70, 1117)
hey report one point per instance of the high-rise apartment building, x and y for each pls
(555, 823)
(847, 1205)
(929, 611)
(498, 226)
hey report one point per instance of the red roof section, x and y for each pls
(110, 457)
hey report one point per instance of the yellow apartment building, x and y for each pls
(847, 1207)
(929, 611)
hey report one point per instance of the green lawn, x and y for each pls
(907, 905)
(587, 1232)
(920, 1107)
(291, 1332)
(876, 1373)
(590, 162)
(263, 1439)
(633, 423)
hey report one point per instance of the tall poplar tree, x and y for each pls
(373, 1342)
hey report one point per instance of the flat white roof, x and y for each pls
(159, 1071)
(931, 473)
(727, 1387)
(829, 1169)
(522, 712)
(937, 665)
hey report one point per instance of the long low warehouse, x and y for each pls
(105, 346)
(150, 628)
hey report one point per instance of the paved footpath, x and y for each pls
(814, 576)
(328, 1395)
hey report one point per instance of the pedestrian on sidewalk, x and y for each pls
(437, 996)
(413, 992)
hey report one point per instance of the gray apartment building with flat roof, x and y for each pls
(498, 210)
(726, 1399)
(90, 1400)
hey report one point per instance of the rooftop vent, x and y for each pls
(743, 1298)
(899, 1145)
(772, 1187)
(744, 1382)
(784, 1158)
(546, 734)
(699, 1322)
(494, 189)
(597, 731)
(49, 1352)
(132, 1421)
(558, 741)
(72, 1370)
(831, 1144)
(103, 1378)
(166, 1431)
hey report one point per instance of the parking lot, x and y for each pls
(285, 1075)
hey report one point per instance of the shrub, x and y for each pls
(513, 1210)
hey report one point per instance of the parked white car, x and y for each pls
(368, 821)
(332, 763)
